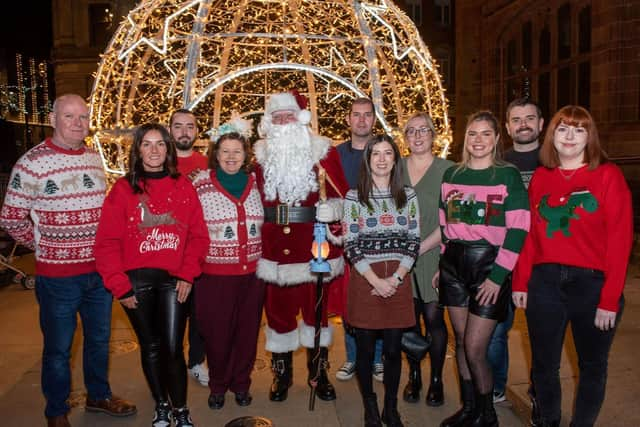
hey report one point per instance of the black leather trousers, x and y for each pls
(159, 322)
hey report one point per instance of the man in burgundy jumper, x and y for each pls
(183, 128)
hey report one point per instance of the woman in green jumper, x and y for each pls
(423, 171)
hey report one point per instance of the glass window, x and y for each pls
(100, 21)
(442, 12)
(584, 23)
(511, 64)
(544, 93)
(563, 89)
(584, 84)
(414, 10)
(564, 31)
(527, 37)
(544, 47)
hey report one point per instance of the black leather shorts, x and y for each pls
(463, 268)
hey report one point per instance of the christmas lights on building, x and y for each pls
(219, 56)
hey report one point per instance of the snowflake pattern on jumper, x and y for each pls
(47, 189)
(227, 217)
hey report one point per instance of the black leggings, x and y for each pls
(159, 322)
(433, 315)
(392, 359)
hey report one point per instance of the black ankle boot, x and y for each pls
(371, 412)
(411, 391)
(435, 394)
(465, 414)
(281, 365)
(324, 388)
(484, 414)
(390, 415)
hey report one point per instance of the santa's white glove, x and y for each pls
(329, 210)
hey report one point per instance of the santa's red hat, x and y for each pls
(289, 101)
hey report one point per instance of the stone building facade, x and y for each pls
(81, 31)
(559, 52)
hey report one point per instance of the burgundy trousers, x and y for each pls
(228, 311)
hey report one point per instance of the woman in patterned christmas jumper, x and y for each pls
(574, 262)
(150, 244)
(484, 219)
(381, 222)
(230, 297)
(423, 171)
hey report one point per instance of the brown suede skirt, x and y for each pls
(373, 312)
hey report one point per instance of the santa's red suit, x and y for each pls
(286, 253)
(287, 236)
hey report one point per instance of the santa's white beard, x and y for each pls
(288, 164)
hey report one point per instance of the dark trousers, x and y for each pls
(159, 322)
(229, 310)
(559, 295)
(196, 341)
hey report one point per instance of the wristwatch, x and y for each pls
(398, 278)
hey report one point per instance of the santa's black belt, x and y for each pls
(283, 214)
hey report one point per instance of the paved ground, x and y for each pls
(21, 401)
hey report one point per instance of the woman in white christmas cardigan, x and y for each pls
(150, 244)
(230, 298)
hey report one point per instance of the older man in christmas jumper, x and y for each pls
(290, 158)
(53, 205)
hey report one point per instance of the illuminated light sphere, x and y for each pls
(219, 56)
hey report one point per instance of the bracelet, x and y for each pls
(398, 278)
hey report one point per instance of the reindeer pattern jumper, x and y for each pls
(161, 228)
(53, 204)
(582, 219)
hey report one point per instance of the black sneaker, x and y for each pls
(182, 417)
(162, 415)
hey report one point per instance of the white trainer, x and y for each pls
(200, 373)
(378, 372)
(346, 371)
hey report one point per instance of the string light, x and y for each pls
(215, 57)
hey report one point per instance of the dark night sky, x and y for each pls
(25, 27)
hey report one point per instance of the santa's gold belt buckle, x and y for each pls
(282, 214)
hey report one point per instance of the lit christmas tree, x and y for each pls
(215, 57)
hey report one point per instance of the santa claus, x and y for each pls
(290, 158)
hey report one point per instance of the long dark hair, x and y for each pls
(246, 146)
(136, 168)
(365, 181)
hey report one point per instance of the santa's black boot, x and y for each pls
(324, 388)
(281, 365)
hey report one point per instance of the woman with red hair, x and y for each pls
(573, 265)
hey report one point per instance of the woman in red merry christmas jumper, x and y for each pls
(573, 265)
(150, 244)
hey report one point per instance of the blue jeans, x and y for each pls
(60, 299)
(498, 351)
(560, 295)
(350, 346)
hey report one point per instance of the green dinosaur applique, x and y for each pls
(558, 217)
